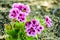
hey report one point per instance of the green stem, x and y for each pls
(36, 37)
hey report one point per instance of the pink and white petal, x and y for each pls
(27, 9)
(14, 9)
(11, 16)
(47, 18)
(41, 28)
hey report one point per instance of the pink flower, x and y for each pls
(21, 17)
(26, 9)
(35, 21)
(22, 7)
(39, 29)
(48, 21)
(35, 25)
(31, 31)
(13, 13)
(27, 24)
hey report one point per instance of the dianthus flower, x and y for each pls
(27, 24)
(13, 13)
(22, 7)
(48, 21)
(39, 29)
(33, 27)
(21, 17)
(31, 31)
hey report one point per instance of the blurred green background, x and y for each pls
(39, 8)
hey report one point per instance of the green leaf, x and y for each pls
(22, 24)
(8, 27)
(37, 18)
(36, 37)
(18, 25)
(45, 30)
(41, 20)
(12, 33)
(28, 18)
(18, 39)
(29, 38)
(21, 35)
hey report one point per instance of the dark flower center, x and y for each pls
(34, 22)
(22, 18)
(46, 19)
(18, 17)
(32, 30)
(20, 14)
(20, 7)
(13, 14)
(28, 23)
(24, 10)
(40, 27)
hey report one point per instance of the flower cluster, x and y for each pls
(48, 21)
(19, 11)
(33, 27)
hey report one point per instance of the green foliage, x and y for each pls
(28, 18)
(41, 20)
(16, 31)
